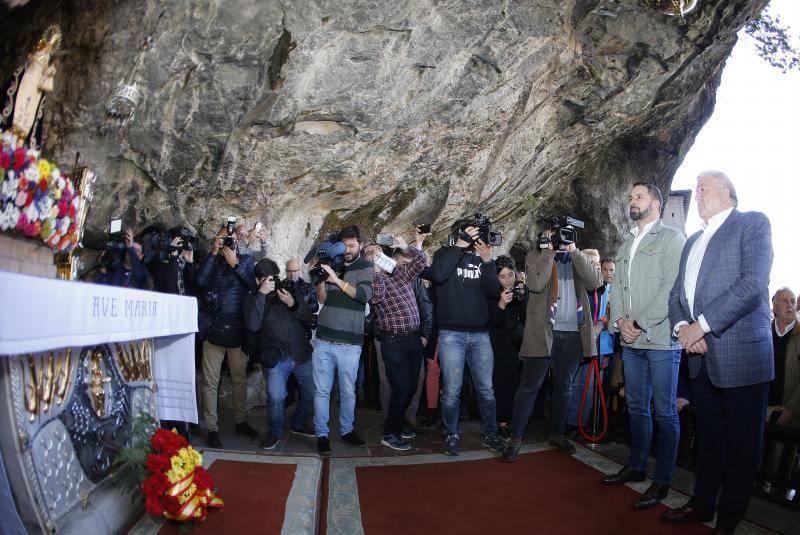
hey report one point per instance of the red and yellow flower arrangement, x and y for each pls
(178, 487)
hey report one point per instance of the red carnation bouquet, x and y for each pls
(170, 473)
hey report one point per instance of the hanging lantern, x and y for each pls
(121, 107)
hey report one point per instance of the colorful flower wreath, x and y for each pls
(36, 199)
(178, 488)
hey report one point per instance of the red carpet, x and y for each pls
(255, 498)
(546, 492)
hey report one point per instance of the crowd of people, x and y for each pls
(660, 304)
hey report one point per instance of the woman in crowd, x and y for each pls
(505, 331)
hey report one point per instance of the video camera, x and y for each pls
(229, 241)
(485, 233)
(330, 253)
(563, 232)
(114, 247)
(157, 243)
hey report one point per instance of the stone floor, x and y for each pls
(369, 425)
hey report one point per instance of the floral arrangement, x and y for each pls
(36, 198)
(170, 474)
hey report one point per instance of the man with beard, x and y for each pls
(340, 335)
(647, 265)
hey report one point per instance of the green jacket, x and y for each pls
(645, 298)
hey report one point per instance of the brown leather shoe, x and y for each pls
(623, 476)
(686, 514)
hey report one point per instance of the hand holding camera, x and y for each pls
(129, 238)
(230, 256)
(286, 297)
(266, 286)
(331, 274)
(472, 232)
(506, 296)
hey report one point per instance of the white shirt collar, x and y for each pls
(647, 227)
(786, 331)
(714, 222)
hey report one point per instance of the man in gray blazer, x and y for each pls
(719, 308)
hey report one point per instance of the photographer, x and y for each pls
(124, 269)
(397, 323)
(465, 278)
(340, 336)
(226, 277)
(176, 273)
(306, 289)
(558, 330)
(279, 318)
(505, 331)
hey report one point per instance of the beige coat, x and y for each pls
(537, 340)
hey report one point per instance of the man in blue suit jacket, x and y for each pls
(719, 308)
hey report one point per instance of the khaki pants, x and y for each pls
(212, 363)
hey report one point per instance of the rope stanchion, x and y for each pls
(594, 369)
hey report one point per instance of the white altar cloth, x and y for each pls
(39, 314)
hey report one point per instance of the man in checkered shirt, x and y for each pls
(397, 324)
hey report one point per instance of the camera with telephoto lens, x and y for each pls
(284, 284)
(563, 232)
(485, 233)
(114, 248)
(330, 253)
(519, 291)
(229, 241)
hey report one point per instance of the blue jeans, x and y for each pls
(652, 374)
(456, 348)
(327, 358)
(576, 393)
(276, 378)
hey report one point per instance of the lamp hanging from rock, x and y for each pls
(675, 8)
(121, 107)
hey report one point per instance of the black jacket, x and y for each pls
(165, 276)
(464, 283)
(136, 277)
(281, 330)
(507, 326)
(425, 307)
(231, 285)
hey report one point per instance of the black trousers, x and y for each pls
(730, 429)
(402, 356)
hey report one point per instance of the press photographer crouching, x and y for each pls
(226, 278)
(278, 314)
(172, 268)
(121, 261)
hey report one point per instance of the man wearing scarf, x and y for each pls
(557, 333)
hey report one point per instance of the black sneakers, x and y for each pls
(213, 440)
(561, 443)
(270, 442)
(244, 428)
(513, 446)
(352, 439)
(305, 431)
(323, 446)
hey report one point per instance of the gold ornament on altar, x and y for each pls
(97, 381)
(135, 361)
(47, 381)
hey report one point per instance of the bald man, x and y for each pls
(305, 287)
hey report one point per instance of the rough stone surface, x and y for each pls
(305, 114)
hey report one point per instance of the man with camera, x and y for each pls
(121, 265)
(558, 328)
(306, 289)
(465, 278)
(397, 323)
(278, 314)
(175, 274)
(340, 336)
(226, 278)
(648, 262)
